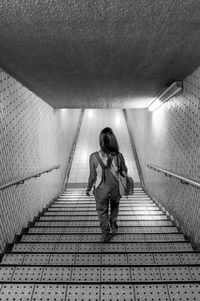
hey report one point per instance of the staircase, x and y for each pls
(59, 257)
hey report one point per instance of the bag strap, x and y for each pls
(103, 166)
(100, 161)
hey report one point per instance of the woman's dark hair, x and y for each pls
(108, 141)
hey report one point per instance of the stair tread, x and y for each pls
(97, 237)
(98, 273)
(146, 259)
(72, 292)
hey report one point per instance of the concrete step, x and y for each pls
(30, 274)
(90, 209)
(107, 258)
(91, 197)
(95, 218)
(97, 230)
(113, 247)
(79, 214)
(93, 206)
(96, 237)
(92, 202)
(104, 292)
(84, 197)
(91, 223)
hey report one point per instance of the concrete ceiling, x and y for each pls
(99, 53)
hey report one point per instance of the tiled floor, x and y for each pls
(94, 120)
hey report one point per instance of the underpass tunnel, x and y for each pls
(35, 137)
(68, 69)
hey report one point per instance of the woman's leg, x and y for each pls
(102, 205)
(114, 209)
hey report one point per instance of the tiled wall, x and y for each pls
(67, 122)
(94, 120)
(170, 138)
(32, 137)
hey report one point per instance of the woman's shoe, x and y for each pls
(106, 237)
(114, 228)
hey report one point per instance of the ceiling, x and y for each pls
(99, 53)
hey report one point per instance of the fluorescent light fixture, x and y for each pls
(170, 92)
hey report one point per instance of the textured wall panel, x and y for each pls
(169, 138)
(32, 137)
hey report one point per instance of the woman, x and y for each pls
(104, 176)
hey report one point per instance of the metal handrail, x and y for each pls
(168, 173)
(23, 179)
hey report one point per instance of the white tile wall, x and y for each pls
(170, 138)
(32, 137)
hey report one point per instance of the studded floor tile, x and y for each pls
(36, 259)
(190, 258)
(56, 274)
(114, 259)
(48, 292)
(137, 247)
(140, 259)
(134, 237)
(30, 238)
(90, 238)
(168, 230)
(167, 259)
(16, 292)
(83, 292)
(88, 259)
(184, 292)
(151, 293)
(62, 259)
(175, 274)
(143, 274)
(175, 237)
(118, 274)
(43, 247)
(160, 247)
(90, 247)
(154, 237)
(64, 247)
(195, 273)
(70, 238)
(113, 247)
(181, 247)
(83, 274)
(27, 274)
(12, 259)
(6, 273)
(25, 247)
(117, 292)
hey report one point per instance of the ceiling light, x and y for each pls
(171, 91)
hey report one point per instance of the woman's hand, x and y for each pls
(87, 193)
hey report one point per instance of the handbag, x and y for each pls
(126, 183)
